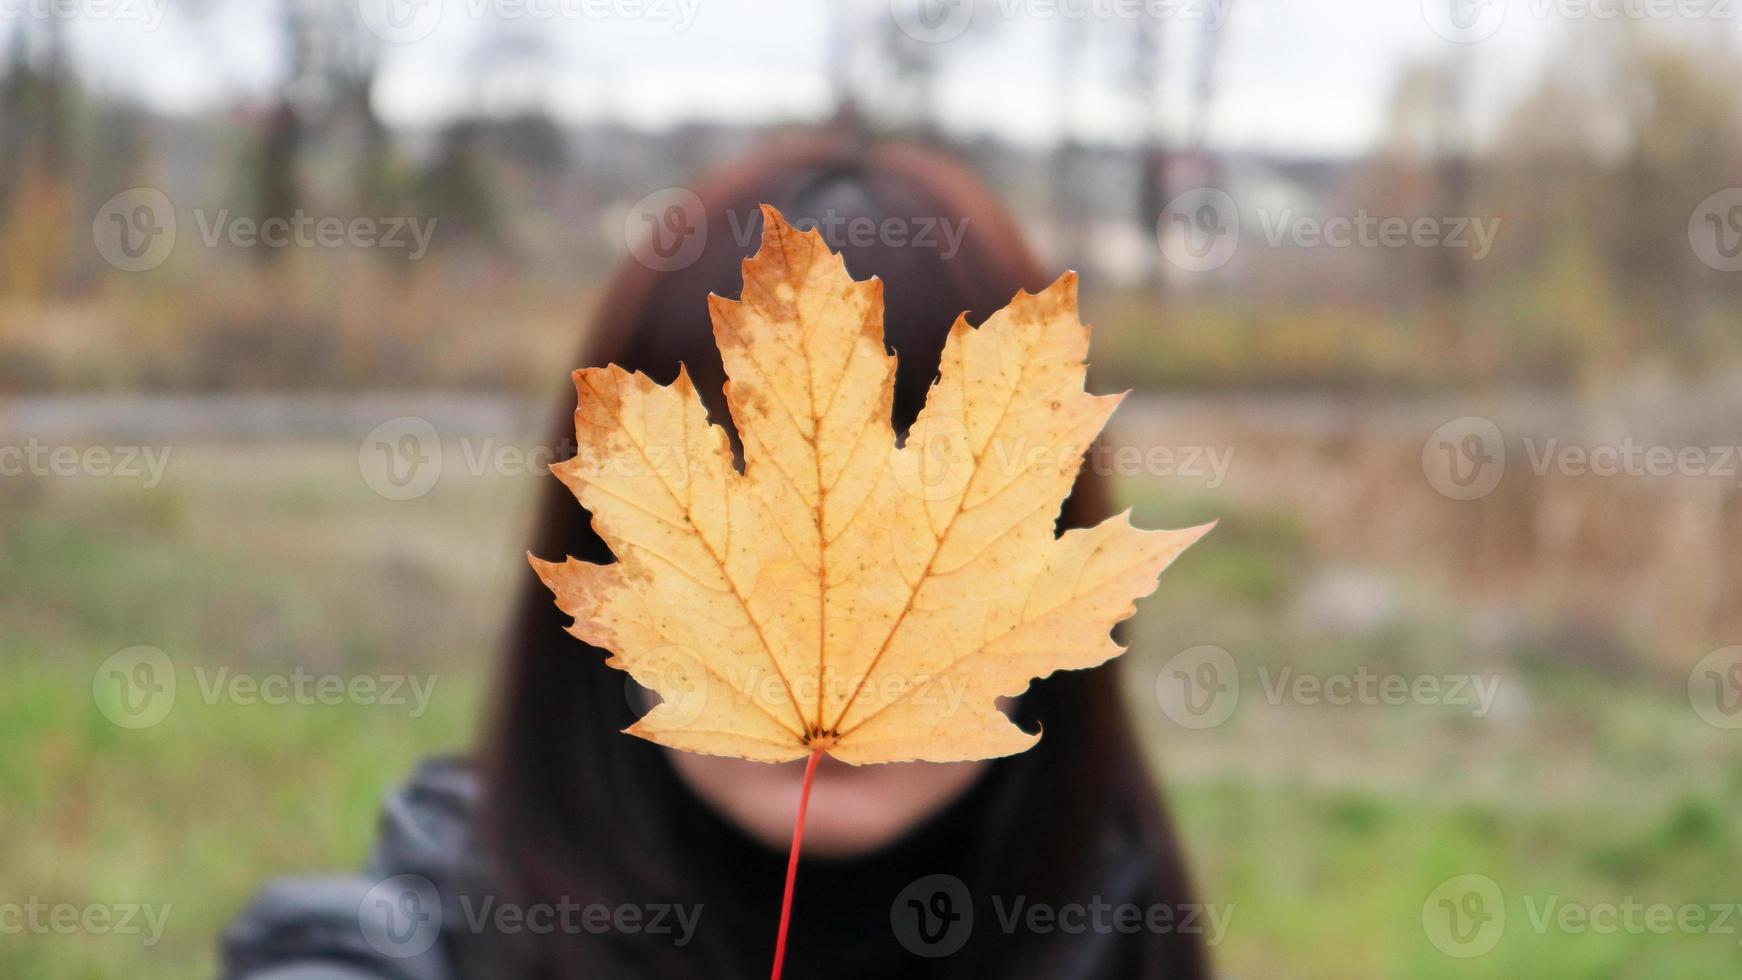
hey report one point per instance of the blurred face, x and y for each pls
(853, 809)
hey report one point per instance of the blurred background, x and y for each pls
(1437, 306)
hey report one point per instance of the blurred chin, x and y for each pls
(853, 809)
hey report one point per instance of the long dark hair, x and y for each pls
(575, 810)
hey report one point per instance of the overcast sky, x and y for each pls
(1299, 76)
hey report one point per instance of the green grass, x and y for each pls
(190, 815)
(261, 561)
(1330, 882)
(1325, 828)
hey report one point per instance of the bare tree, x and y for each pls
(1148, 59)
(1454, 153)
(1069, 194)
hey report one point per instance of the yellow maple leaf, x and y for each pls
(842, 593)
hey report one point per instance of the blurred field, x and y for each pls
(1324, 827)
(262, 558)
(1190, 169)
(1328, 826)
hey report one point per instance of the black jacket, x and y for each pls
(386, 923)
(336, 927)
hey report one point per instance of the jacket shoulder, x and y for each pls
(427, 822)
(380, 924)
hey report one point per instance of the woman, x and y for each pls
(573, 850)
